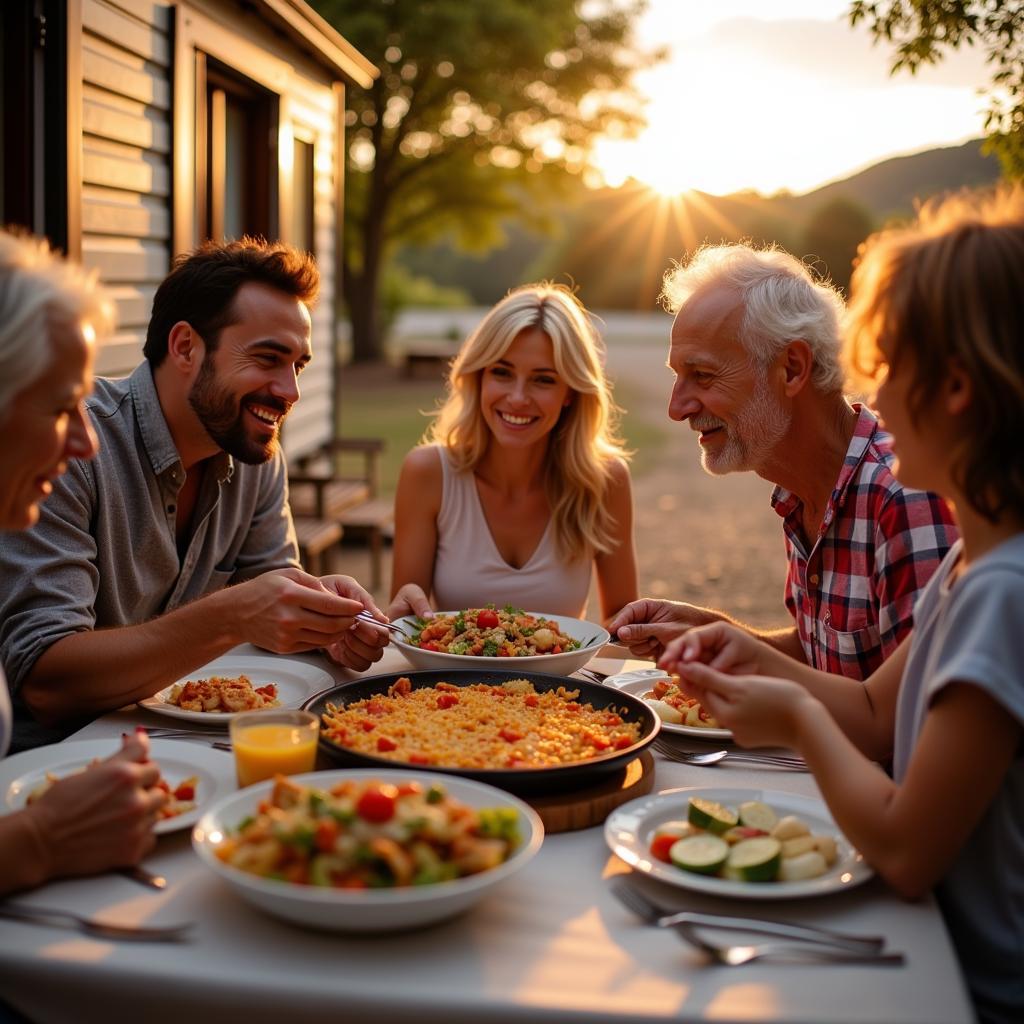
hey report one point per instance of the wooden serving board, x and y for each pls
(582, 808)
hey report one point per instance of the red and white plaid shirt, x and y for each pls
(852, 595)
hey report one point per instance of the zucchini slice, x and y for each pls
(704, 854)
(756, 860)
(711, 816)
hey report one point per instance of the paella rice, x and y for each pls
(479, 726)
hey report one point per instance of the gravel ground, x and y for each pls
(713, 541)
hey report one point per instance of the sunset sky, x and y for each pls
(782, 95)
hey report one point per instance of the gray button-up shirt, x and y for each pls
(104, 552)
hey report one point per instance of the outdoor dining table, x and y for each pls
(550, 944)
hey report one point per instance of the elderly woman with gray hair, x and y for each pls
(51, 312)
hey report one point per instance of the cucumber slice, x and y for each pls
(714, 817)
(758, 815)
(756, 860)
(704, 854)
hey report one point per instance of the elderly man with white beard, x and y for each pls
(755, 352)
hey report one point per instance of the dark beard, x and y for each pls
(223, 417)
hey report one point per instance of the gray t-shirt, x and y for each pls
(104, 552)
(972, 631)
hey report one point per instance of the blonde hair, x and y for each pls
(781, 301)
(36, 284)
(948, 290)
(584, 444)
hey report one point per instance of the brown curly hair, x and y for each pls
(949, 290)
(201, 288)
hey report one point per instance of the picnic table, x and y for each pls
(549, 945)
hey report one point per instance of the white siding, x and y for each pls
(127, 153)
(126, 173)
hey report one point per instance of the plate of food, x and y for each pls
(522, 731)
(754, 844)
(235, 683)
(679, 714)
(393, 849)
(194, 776)
(482, 637)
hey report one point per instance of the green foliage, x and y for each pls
(482, 111)
(830, 239)
(400, 288)
(922, 31)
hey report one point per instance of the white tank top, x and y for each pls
(469, 570)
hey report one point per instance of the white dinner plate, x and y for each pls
(296, 682)
(640, 680)
(21, 773)
(631, 827)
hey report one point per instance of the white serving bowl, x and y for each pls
(366, 910)
(553, 664)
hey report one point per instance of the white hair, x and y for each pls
(781, 302)
(37, 284)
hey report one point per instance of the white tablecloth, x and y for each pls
(551, 944)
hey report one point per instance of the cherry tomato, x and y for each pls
(377, 804)
(430, 646)
(487, 618)
(509, 736)
(660, 847)
(184, 792)
(384, 744)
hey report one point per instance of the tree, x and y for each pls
(924, 29)
(831, 236)
(481, 111)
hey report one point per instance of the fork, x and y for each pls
(736, 955)
(711, 757)
(592, 676)
(89, 925)
(646, 909)
(393, 627)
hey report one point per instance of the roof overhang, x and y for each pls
(320, 39)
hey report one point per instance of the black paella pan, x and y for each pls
(547, 779)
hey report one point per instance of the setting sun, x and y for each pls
(751, 100)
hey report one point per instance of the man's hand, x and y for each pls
(647, 625)
(410, 600)
(363, 643)
(102, 817)
(287, 610)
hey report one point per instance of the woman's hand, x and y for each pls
(761, 711)
(721, 645)
(101, 818)
(410, 600)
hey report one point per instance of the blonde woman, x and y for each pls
(520, 490)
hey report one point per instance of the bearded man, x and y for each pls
(176, 543)
(755, 352)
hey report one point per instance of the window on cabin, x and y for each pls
(238, 154)
(302, 234)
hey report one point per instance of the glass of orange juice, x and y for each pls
(268, 743)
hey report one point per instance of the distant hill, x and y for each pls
(889, 188)
(615, 244)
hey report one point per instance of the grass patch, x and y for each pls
(390, 408)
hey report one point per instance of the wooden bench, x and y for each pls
(319, 493)
(374, 518)
(315, 537)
